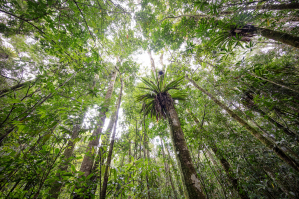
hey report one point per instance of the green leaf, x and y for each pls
(73, 168)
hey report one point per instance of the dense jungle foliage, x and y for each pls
(194, 99)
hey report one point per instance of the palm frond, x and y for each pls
(145, 88)
(150, 84)
(179, 95)
(173, 84)
(147, 107)
(144, 97)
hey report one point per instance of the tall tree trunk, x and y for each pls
(248, 102)
(283, 6)
(189, 175)
(129, 161)
(62, 168)
(104, 146)
(105, 182)
(290, 161)
(104, 143)
(279, 36)
(88, 160)
(227, 168)
(168, 174)
(215, 174)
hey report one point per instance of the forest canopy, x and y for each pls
(149, 99)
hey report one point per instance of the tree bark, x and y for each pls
(189, 175)
(105, 182)
(279, 36)
(290, 161)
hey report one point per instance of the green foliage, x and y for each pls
(56, 60)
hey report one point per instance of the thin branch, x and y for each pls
(23, 20)
(174, 17)
(85, 21)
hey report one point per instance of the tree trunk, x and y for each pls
(175, 174)
(267, 80)
(282, 185)
(88, 160)
(290, 161)
(283, 6)
(279, 36)
(167, 171)
(62, 168)
(145, 146)
(19, 86)
(189, 175)
(152, 62)
(105, 182)
(227, 168)
(104, 144)
(87, 163)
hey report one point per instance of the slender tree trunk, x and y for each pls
(167, 171)
(290, 161)
(152, 62)
(189, 175)
(88, 160)
(283, 186)
(5, 91)
(62, 168)
(265, 134)
(145, 146)
(283, 86)
(87, 163)
(129, 161)
(104, 144)
(216, 176)
(250, 105)
(175, 174)
(109, 158)
(227, 168)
